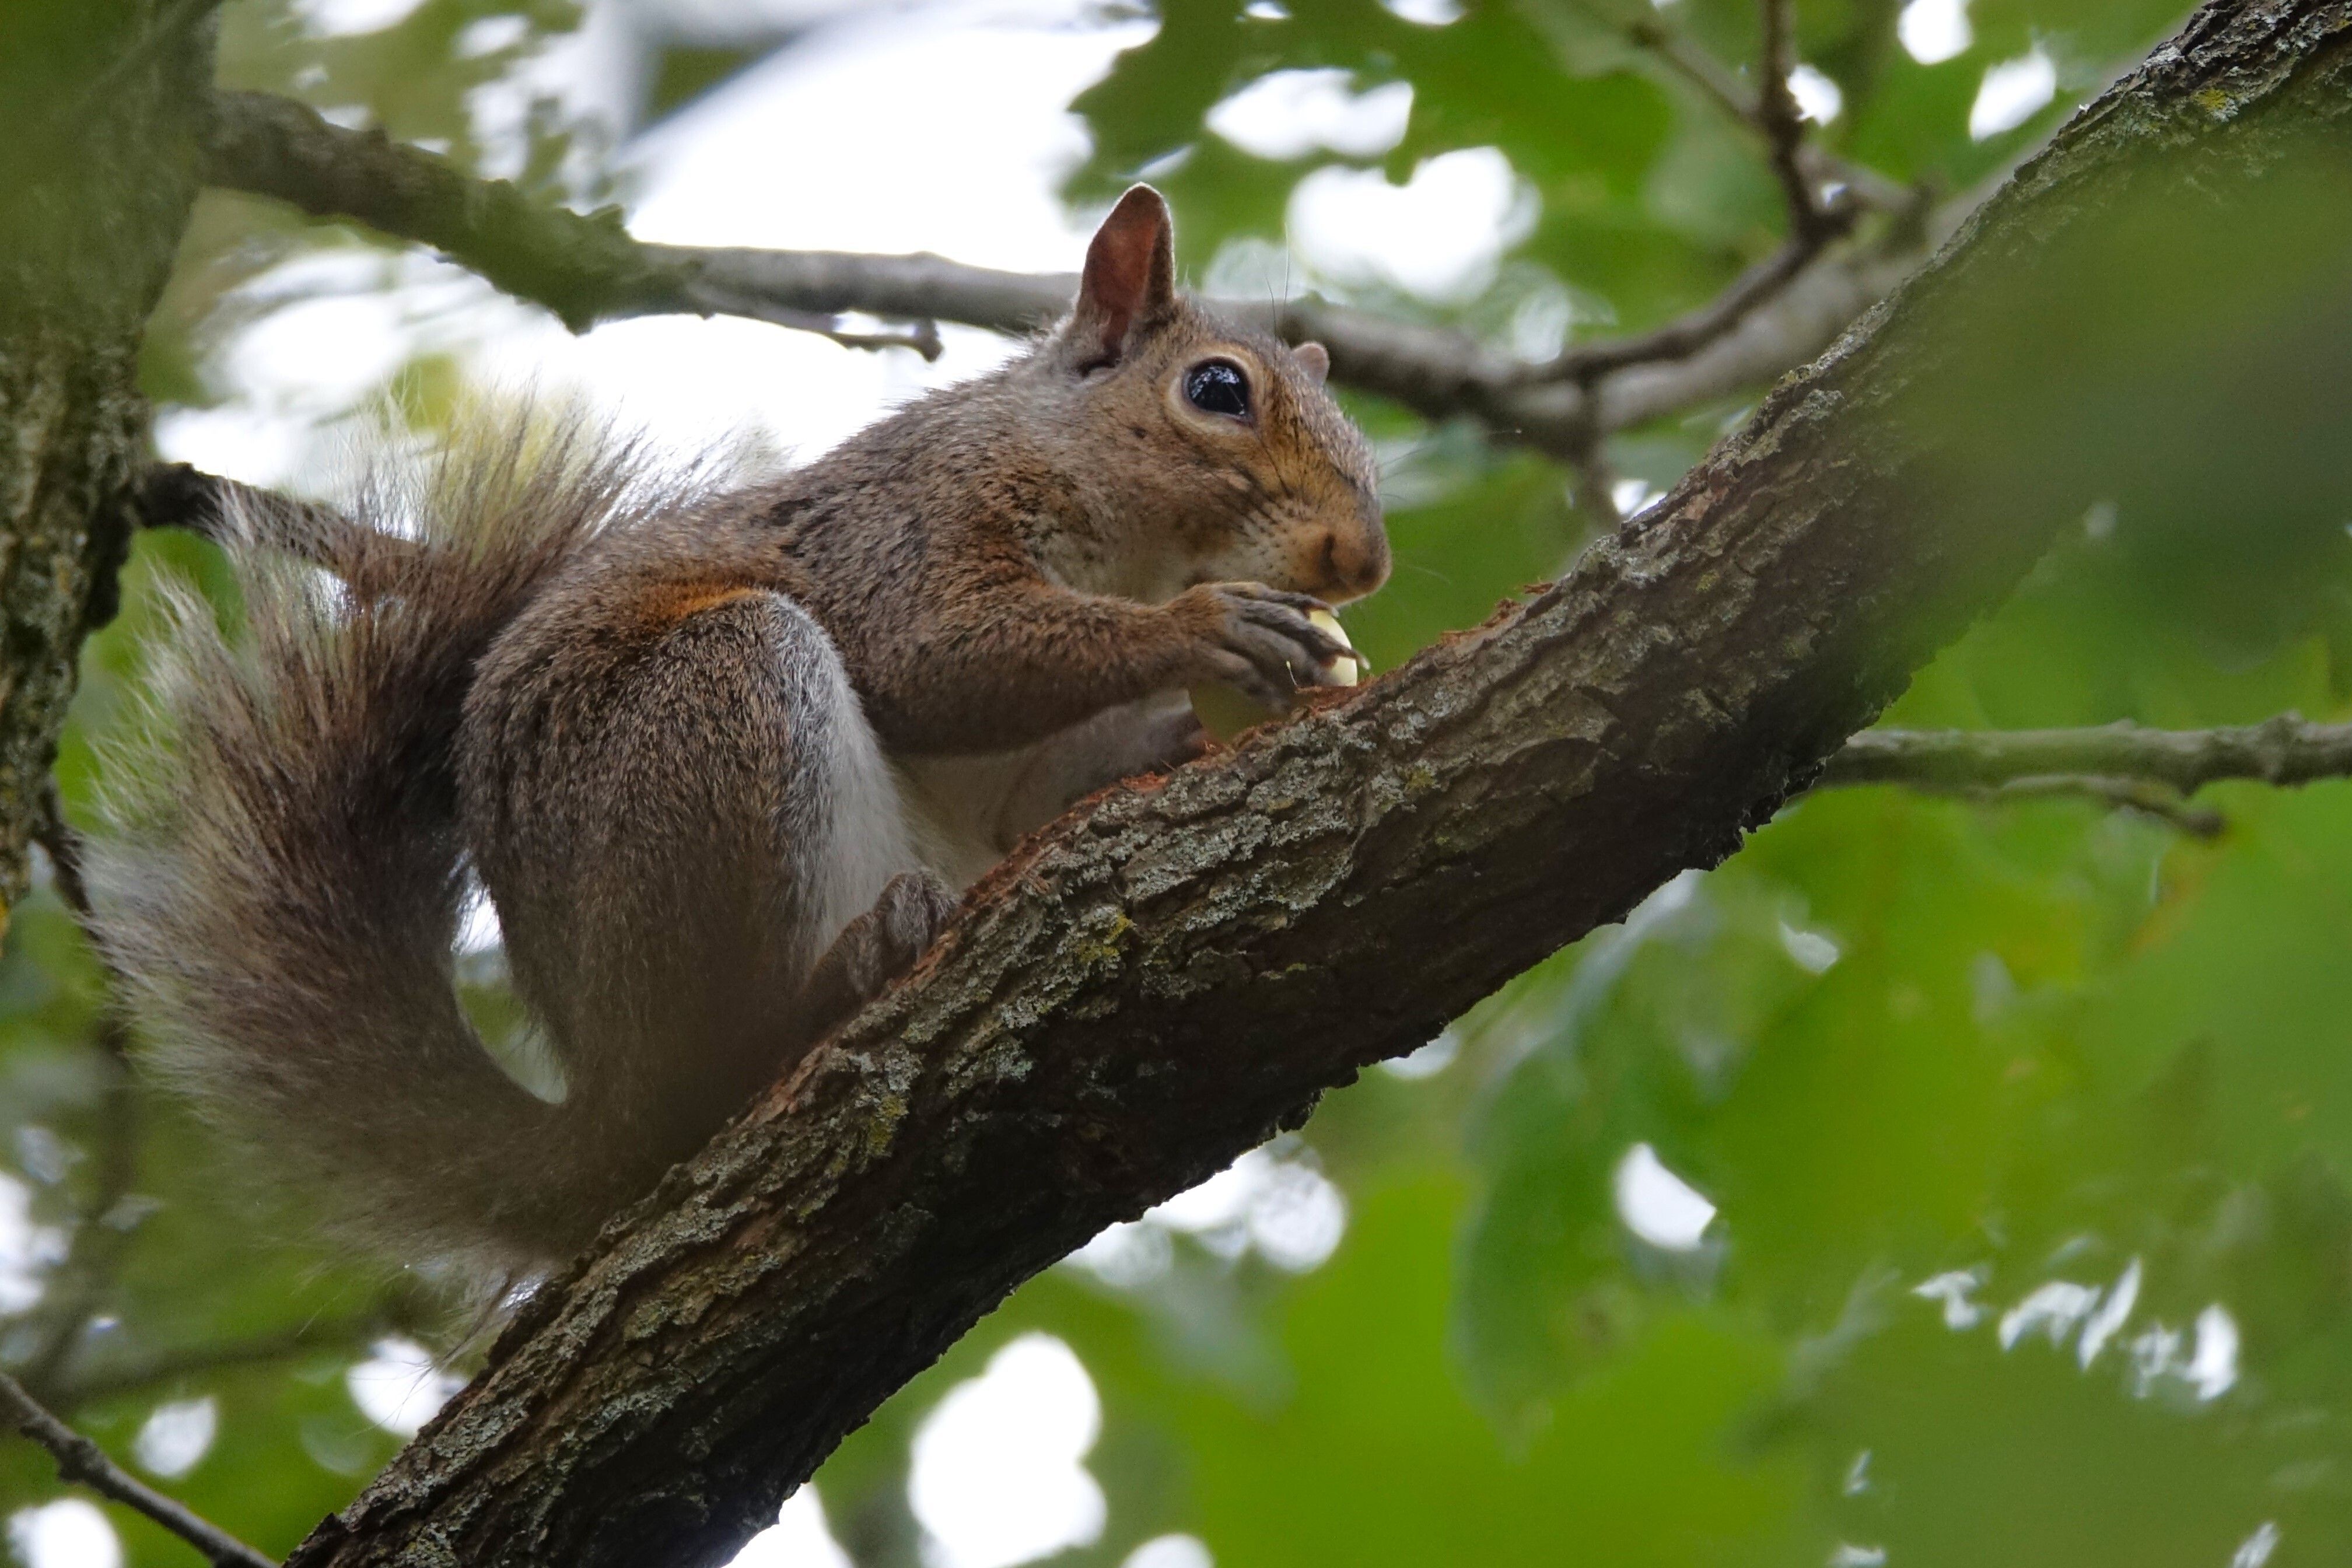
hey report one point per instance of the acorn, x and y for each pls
(1225, 712)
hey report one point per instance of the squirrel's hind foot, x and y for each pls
(874, 949)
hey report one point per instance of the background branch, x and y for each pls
(584, 268)
(1813, 222)
(1686, 334)
(588, 268)
(1671, 48)
(2287, 750)
(84, 1462)
(2152, 772)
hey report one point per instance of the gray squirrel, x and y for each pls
(720, 756)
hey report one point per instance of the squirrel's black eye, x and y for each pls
(1218, 386)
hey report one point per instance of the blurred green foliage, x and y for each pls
(2027, 1128)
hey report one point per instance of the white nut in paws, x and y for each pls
(1349, 668)
(1225, 712)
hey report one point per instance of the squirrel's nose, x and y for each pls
(1355, 561)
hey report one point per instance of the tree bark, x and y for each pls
(1161, 979)
(100, 109)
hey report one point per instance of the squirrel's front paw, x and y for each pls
(1259, 640)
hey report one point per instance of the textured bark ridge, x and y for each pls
(100, 110)
(1172, 973)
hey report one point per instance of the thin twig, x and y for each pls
(178, 495)
(1814, 222)
(108, 1381)
(1694, 64)
(710, 297)
(1659, 39)
(396, 1313)
(57, 839)
(1783, 123)
(82, 1461)
(1686, 335)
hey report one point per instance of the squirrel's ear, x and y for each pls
(1315, 360)
(1131, 277)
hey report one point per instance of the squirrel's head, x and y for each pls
(1227, 460)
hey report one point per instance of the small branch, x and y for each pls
(2287, 750)
(1720, 87)
(83, 1461)
(1593, 493)
(1686, 335)
(1724, 89)
(55, 836)
(1694, 64)
(180, 495)
(712, 296)
(107, 1383)
(86, 1276)
(1783, 124)
(1814, 224)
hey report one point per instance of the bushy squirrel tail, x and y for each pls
(282, 873)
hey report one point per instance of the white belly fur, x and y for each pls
(963, 813)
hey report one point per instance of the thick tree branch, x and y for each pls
(84, 1462)
(1158, 980)
(589, 269)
